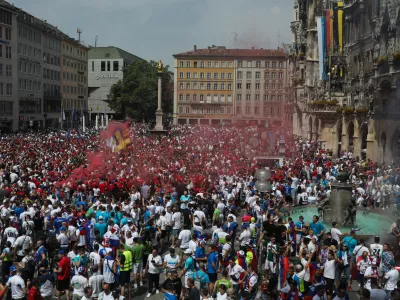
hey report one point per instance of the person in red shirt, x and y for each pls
(34, 292)
(64, 274)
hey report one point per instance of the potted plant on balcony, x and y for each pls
(348, 110)
(361, 110)
(381, 60)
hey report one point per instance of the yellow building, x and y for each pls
(204, 89)
(218, 85)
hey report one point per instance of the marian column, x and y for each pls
(159, 112)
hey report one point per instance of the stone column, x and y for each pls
(97, 122)
(356, 139)
(159, 112)
(345, 141)
(371, 142)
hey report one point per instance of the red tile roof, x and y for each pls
(223, 52)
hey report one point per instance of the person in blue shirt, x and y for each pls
(299, 229)
(41, 254)
(202, 277)
(350, 241)
(317, 227)
(184, 200)
(169, 294)
(18, 209)
(232, 229)
(101, 226)
(147, 215)
(200, 255)
(212, 266)
(58, 222)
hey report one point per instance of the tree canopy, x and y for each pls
(135, 95)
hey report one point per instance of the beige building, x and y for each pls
(218, 85)
(74, 80)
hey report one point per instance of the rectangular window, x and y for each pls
(202, 86)
(215, 86)
(229, 64)
(280, 65)
(266, 87)
(208, 86)
(1, 50)
(258, 75)
(248, 108)
(188, 86)
(257, 97)
(108, 65)
(195, 64)
(215, 75)
(7, 33)
(188, 109)
(9, 70)
(181, 109)
(280, 98)
(248, 97)
(195, 75)
(181, 87)
(9, 89)
(8, 52)
(222, 75)
(188, 64)
(239, 86)
(266, 97)
(229, 75)
(216, 64)
(229, 86)
(202, 64)
(208, 75)
(258, 64)
(195, 87)
(267, 64)
(273, 86)
(222, 86)
(181, 75)
(249, 64)
(273, 65)
(201, 75)
(266, 75)
(188, 75)
(240, 64)
(209, 64)
(1, 88)
(279, 86)
(248, 86)
(116, 65)
(239, 75)
(257, 86)
(273, 75)
(239, 97)
(103, 66)
(187, 97)
(280, 75)
(181, 64)
(248, 75)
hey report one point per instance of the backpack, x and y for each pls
(198, 281)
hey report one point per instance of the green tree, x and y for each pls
(136, 95)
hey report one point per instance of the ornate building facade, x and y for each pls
(355, 107)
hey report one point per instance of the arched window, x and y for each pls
(194, 98)
(222, 98)
(215, 98)
(187, 97)
(201, 98)
(230, 98)
(208, 98)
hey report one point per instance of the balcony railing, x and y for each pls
(323, 108)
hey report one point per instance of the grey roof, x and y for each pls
(111, 52)
(5, 4)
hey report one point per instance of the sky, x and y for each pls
(157, 29)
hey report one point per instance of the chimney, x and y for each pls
(195, 48)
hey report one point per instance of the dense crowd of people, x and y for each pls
(182, 215)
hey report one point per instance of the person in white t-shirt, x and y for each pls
(335, 232)
(171, 260)
(234, 271)
(391, 279)
(376, 249)
(176, 225)
(79, 282)
(184, 238)
(329, 272)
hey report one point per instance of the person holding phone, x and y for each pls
(154, 263)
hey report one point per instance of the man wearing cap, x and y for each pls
(64, 274)
(17, 284)
(371, 272)
(188, 268)
(79, 282)
(63, 239)
(244, 236)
